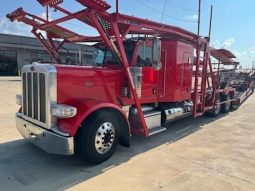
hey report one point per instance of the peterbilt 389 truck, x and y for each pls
(145, 75)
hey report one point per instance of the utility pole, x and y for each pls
(117, 6)
(117, 9)
(210, 27)
(163, 13)
(47, 13)
(199, 17)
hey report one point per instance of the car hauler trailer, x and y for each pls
(244, 84)
(141, 80)
(224, 69)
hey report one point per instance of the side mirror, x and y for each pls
(156, 54)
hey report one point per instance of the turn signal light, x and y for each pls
(63, 111)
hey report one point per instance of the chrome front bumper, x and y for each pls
(46, 140)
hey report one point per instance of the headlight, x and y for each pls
(63, 111)
(19, 99)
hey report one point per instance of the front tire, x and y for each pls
(98, 137)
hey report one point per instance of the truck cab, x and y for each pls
(59, 98)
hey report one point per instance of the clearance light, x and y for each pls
(63, 111)
(19, 99)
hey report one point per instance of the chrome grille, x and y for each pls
(39, 93)
(34, 95)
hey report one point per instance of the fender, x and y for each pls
(84, 109)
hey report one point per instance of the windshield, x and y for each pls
(104, 56)
(99, 58)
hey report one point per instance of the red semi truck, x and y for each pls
(145, 76)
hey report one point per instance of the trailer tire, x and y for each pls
(234, 107)
(98, 137)
(225, 107)
(216, 110)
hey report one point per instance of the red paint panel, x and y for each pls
(79, 85)
(176, 73)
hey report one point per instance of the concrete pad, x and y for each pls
(193, 154)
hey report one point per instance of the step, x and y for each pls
(156, 130)
(209, 108)
(198, 114)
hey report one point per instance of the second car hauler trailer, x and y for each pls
(244, 83)
(141, 80)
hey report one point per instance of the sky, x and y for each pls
(233, 25)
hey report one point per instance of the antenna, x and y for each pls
(199, 17)
(210, 26)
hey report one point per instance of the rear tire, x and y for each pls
(216, 110)
(225, 107)
(98, 137)
(234, 106)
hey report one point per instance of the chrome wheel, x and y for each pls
(98, 137)
(105, 137)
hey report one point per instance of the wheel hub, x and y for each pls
(104, 137)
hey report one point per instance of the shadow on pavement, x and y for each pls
(25, 167)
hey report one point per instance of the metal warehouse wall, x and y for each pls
(28, 49)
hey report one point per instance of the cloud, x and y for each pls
(18, 28)
(44, 16)
(246, 57)
(225, 44)
(15, 28)
(192, 17)
(228, 42)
